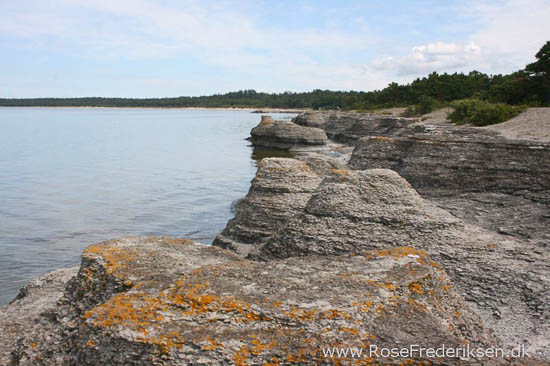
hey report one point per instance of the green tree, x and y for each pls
(540, 72)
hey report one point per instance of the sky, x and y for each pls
(168, 48)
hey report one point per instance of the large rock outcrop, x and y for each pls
(349, 127)
(285, 134)
(500, 184)
(162, 301)
(30, 332)
(508, 281)
(279, 191)
(465, 162)
(311, 119)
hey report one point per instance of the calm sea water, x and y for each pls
(73, 177)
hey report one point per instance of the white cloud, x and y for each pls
(212, 33)
(504, 37)
(438, 56)
(241, 43)
(509, 32)
(136, 25)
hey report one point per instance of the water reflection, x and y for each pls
(258, 153)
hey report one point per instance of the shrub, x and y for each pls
(425, 105)
(482, 113)
(409, 112)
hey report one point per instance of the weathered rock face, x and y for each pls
(500, 184)
(349, 127)
(508, 281)
(460, 165)
(311, 119)
(506, 214)
(285, 134)
(162, 301)
(280, 190)
(29, 323)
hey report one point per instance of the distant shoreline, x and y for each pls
(252, 110)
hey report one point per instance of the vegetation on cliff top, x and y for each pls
(530, 86)
(482, 113)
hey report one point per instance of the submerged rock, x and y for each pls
(285, 134)
(162, 301)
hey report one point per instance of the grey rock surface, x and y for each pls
(163, 301)
(30, 322)
(507, 280)
(285, 134)
(506, 214)
(349, 127)
(280, 189)
(312, 119)
(460, 163)
(506, 184)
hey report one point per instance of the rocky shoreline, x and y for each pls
(423, 234)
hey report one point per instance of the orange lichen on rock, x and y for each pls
(416, 287)
(340, 171)
(196, 300)
(364, 306)
(178, 241)
(212, 344)
(335, 314)
(133, 310)
(165, 342)
(240, 357)
(350, 330)
(301, 314)
(395, 252)
(386, 285)
(116, 258)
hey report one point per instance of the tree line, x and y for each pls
(529, 86)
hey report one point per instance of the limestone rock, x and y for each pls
(352, 211)
(280, 189)
(29, 324)
(485, 180)
(162, 301)
(320, 163)
(312, 119)
(285, 134)
(460, 165)
(349, 127)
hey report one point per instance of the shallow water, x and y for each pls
(70, 177)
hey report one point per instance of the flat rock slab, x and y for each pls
(349, 127)
(469, 173)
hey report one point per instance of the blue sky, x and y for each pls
(157, 48)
